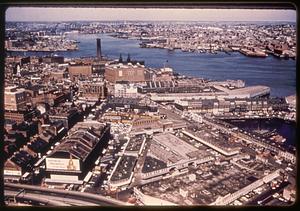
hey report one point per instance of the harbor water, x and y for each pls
(284, 128)
(278, 74)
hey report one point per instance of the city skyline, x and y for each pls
(130, 14)
(147, 113)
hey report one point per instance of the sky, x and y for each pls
(127, 14)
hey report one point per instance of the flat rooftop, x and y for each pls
(203, 184)
(175, 144)
(167, 149)
(124, 169)
(135, 143)
(250, 90)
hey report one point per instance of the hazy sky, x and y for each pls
(109, 14)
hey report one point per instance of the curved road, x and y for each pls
(61, 196)
(34, 198)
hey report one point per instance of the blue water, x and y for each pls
(284, 128)
(278, 74)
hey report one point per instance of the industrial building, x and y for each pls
(214, 92)
(129, 72)
(137, 104)
(173, 86)
(71, 160)
(231, 105)
(123, 171)
(79, 71)
(92, 90)
(221, 145)
(167, 153)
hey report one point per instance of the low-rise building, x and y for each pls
(126, 90)
(134, 104)
(92, 90)
(79, 71)
(220, 106)
(14, 99)
(20, 163)
(21, 116)
(69, 116)
(70, 161)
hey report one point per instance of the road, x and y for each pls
(139, 166)
(267, 195)
(36, 199)
(169, 112)
(48, 195)
(57, 200)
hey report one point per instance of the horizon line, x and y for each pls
(39, 21)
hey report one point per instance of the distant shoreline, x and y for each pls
(149, 21)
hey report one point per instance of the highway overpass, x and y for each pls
(56, 197)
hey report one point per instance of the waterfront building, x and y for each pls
(222, 106)
(214, 92)
(99, 66)
(171, 86)
(34, 60)
(291, 101)
(130, 73)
